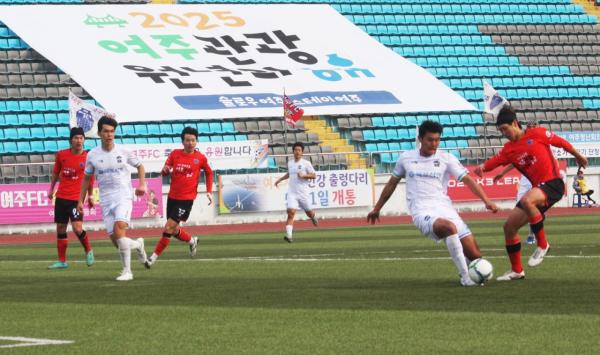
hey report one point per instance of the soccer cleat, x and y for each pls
(149, 262)
(511, 275)
(142, 257)
(58, 265)
(538, 256)
(530, 240)
(193, 247)
(314, 220)
(289, 240)
(89, 258)
(468, 282)
(125, 276)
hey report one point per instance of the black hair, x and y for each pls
(76, 131)
(506, 116)
(189, 130)
(430, 126)
(298, 144)
(106, 120)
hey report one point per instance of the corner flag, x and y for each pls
(84, 115)
(291, 112)
(492, 101)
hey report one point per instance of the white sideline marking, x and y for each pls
(22, 342)
(313, 257)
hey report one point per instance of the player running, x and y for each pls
(299, 172)
(427, 171)
(529, 152)
(184, 165)
(68, 169)
(109, 162)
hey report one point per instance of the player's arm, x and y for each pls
(284, 177)
(387, 192)
(90, 192)
(504, 171)
(491, 164)
(309, 174)
(478, 191)
(141, 189)
(54, 177)
(208, 175)
(53, 181)
(85, 184)
(560, 142)
(166, 170)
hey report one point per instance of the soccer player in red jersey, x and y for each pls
(184, 165)
(68, 169)
(529, 152)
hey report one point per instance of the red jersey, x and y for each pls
(186, 172)
(69, 168)
(531, 155)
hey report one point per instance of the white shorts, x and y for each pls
(116, 211)
(295, 202)
(522, 191)
(424, 222)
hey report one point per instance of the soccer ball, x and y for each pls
(480, 270)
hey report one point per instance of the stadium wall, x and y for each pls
(202, 214)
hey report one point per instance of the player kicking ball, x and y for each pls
(427, 171)
(109, 163)
(184, 165)
(300, 171)
(529, 152)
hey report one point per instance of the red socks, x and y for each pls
(162, 243)
(183, 235)
(85, 241)
(61, 244)
(537, 227)
(513, 248)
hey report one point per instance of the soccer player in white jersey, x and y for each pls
(427, 171)
(109, 162)
(299, 172)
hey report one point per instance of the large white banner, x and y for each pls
(330, 189)
(221, 155)
(160, 62)
(587, 142)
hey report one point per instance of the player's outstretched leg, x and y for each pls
(537, 226)
(162, 244)
(192, 242)
(85, 243)
(125, 256)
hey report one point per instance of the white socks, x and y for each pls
(288, 230)
(125, 244)
(456, 252)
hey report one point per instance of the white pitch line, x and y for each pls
(22, 342)
(310, 258)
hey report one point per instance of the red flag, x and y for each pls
(291, 112)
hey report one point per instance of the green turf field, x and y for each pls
(362, 290)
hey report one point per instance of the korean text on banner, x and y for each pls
(214, 61)
(221, 155)
(29, 203)
(330, 189)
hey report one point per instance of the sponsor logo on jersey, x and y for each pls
(119, 159)
(196, 161)
(436, 163)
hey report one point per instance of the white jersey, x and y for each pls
(427, 179)
(112, 173)
(298, 186)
